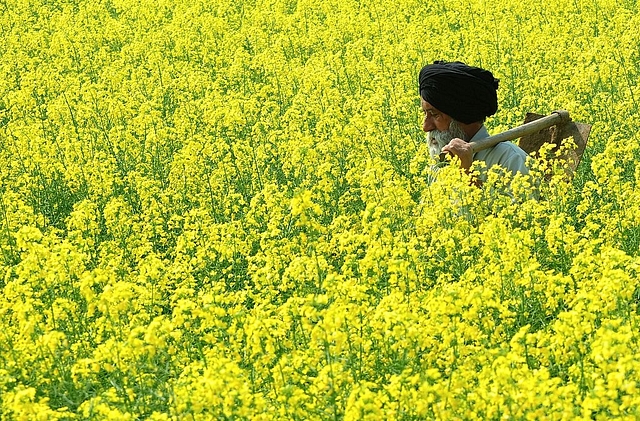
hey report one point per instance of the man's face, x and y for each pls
(433, 118)
(440, 128)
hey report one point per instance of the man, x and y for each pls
(456, 99)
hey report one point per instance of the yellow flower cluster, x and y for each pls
(227, 210)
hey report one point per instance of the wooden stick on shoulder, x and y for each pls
(556, 117)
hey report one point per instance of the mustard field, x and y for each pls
(227, 210)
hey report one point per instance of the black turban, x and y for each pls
(466, 93)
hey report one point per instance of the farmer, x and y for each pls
(456, 99)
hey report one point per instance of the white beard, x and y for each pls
(438, 140)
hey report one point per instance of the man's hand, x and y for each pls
(462, 150)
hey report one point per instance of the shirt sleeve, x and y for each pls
(506, 154)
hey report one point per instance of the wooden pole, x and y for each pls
(556, 117)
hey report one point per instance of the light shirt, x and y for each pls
(506, 154)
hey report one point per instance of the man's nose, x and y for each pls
(427, 124)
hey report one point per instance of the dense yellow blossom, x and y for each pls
(227, 210)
